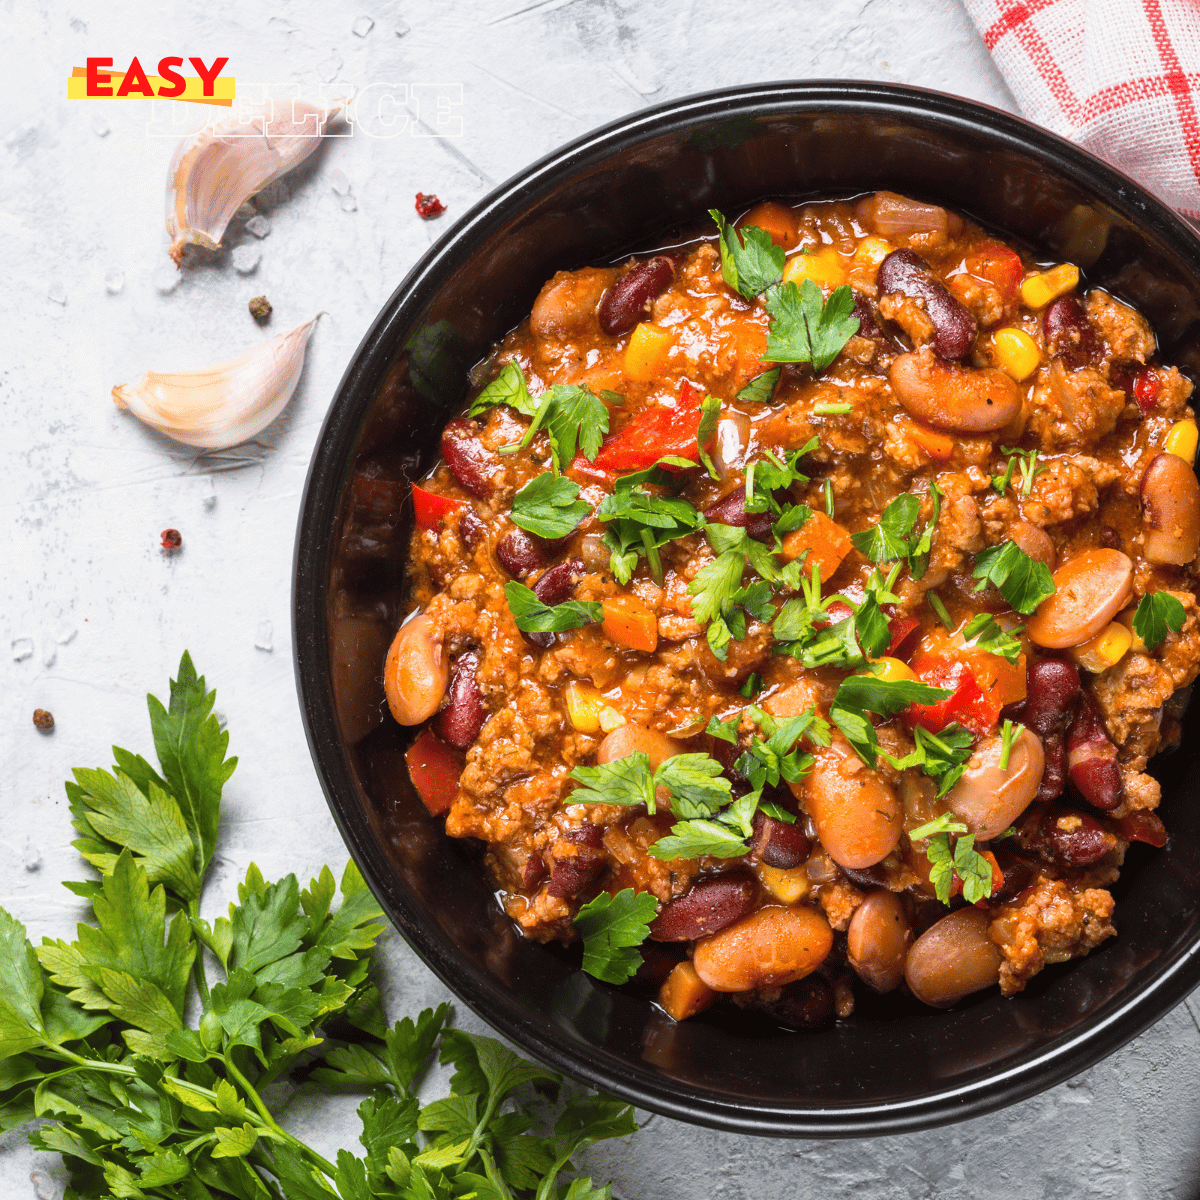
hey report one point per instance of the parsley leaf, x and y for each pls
(640, 521)
(963, 859)
(611, 926)
(1029, 471)
(626, 781)
(532, 616)
(761, 388)
(775, 757)
(1023, 581)
(805, 328)
(509, 387)
(750, 260)
(985, 631)
(695, 839)
(548, 506)
(1158, 612)
(710, 414)
(942, 756)
(887, 539)
(574, 420)
(858, 695)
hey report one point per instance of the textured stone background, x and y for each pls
(93, 613)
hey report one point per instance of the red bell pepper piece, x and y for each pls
(430, 509)
(905, 633)
(1146, 388)
(1143, 826)
(969, 705)
(999, 265)
(653, 434)
(434, 769)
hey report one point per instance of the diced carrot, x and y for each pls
(751, 343)
(777, 219)
(430, 509)
(628, 622)
(937, 445)
(685, 994)
(999, 265)
(825, 540)
(647, 351)
(1001, 681)
(601, 379)
(434, 769)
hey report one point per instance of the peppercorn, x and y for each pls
(172, 539)
(260, 309)
(43, 718)
(429, 206)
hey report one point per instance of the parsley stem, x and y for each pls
(201, 978)
(827, 408)
(935, 602)
(652, 556)
(829, 498)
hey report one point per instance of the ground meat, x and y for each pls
(1127, 332)
(1050, 923)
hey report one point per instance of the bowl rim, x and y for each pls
(1063, 1057)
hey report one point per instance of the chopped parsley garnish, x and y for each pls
(829, 408)
(773, 754)
(829, 498)
(750, 260)
(1023, 581)
(509, 387)
(1027, 460)
(640, 521)
(806, 328)
(888, 538)
(548, 506)
(1158, 612)
(859, 695)
(710, 414)
(935, 602)
(718, 597)
(942, 756)
(612, 927)
(752, 686)
(1008, 736)
(532, 616)
(963, 860)
(762, 387)
(985, 631)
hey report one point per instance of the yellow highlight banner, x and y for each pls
(223, 87)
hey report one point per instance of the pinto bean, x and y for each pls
(777, 843)
(1069, 334)
(557, 584)
(630, 739)
(1035, 542)
(953, 398)
(469, 460)
(909, 274)
(1170, 510)
(1074, 838)
(1089, 590)
(1092, 757)
(989, 799)
(628, 300)
(459, 723)
(952, 959)
(1051, 689)
(878, 939)
(709, 907)
(771, 947)
(471, 529)
(578, 863)
(731, 510)
(520, 553)
(856, 812)
(416, 672)
(566, 306)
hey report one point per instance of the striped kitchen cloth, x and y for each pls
(1119, 77)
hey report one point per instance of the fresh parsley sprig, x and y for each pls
(750, 260)
(612, 927)
(1156, 613)
(641, 521)
(942, 756)
(805, 327)
(549, 506)
(532, 616)
(773, 755)
(962, 859)
(894, 535)
(761, 388)
(987, 634)
(1027, 460)
(860, 695)
(1023, 581)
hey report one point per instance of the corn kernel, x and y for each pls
(1181, 440)
(893, 669)
(1039, 290)
(647, 351)
(584, 703)
(1106, 649)
(824, 268)
(787, 886)
(610, 719)
(1126, 619)
(1016, 352)
(872, 251)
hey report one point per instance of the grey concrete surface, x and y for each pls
(93, 613)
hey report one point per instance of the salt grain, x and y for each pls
(114, 281)
(264, 636)
(259, 226)
(402, 29)
(22, 648)
(246, 259)
(338, 181)
(208, 493)
(57, 293)
(32, 860)
(362, 26)
(49, 651)
(100, 127)
(64, 632)
(166, 279)
(349, 204)
(329, 68)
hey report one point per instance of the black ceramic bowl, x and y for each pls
(633, 184)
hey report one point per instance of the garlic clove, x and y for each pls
(218, 167)
(225, 404)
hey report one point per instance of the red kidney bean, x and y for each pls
(520, 553)
(533, 872)
(779, 844)
(463, 713)
(1052, 687)
(868, 325)
(1074, 838)
(908, 273)
(709, 907)
(867, 878)
(1092, 757)
(469, 460)
(1070, 335)
(1143, 826)
(628, 300)
(571, 873)
(471, 529)
(1054, 773)
(557, 584)
(731, 510)
(1018, 874)
(805, 1004)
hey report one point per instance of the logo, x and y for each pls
(98, 80)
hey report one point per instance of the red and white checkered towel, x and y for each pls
(1119, 77)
